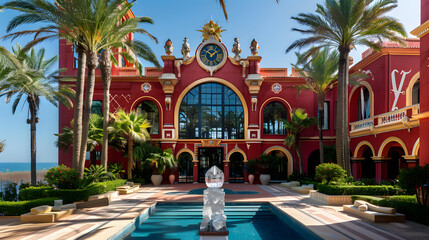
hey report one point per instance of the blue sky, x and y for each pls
(269, 23)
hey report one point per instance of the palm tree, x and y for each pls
(2, 146)
(28, 76)
(298, 122)
(92, 26)
(130, 48)
(160, 161)
(319, 72)
(133, 127)
(95, 137)
(343, 24)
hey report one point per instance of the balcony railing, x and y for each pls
(386, 118)
(362, 124)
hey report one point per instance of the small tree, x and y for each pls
(299, 121)
(160, 161)
(328, 172)
(414, 180)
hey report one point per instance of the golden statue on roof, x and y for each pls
(211, 29)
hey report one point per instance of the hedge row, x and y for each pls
(382, 190)
(18, 208)
(412, 211)
(70, 195)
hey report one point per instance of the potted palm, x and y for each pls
(159, 162)
(251, 169)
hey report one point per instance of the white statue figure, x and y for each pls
(214, 219)
(168, 47)
(236, 49)
(254, 47)
(186, 49)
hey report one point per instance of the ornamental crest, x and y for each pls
(211, 29)
(276, 88)
(146, 87)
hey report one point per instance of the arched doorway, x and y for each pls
(185, 168)
(279, 172)
(368, 165)
(313, 161)
(395, 163)
(236, 168)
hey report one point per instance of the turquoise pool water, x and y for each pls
(246, 221)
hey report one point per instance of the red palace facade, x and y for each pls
(219, 108)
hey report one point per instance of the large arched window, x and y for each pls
(416, 92)
(274, 112)
(211, 111)
(150, 110)
(364, 104)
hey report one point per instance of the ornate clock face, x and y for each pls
(211, 55)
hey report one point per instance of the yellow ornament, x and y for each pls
(211, 29)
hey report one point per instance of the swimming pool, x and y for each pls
(247, 221)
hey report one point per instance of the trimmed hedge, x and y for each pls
(382, 190)
(70, 195)
(412, 211)
(18, 208)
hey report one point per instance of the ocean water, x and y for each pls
(21, 166)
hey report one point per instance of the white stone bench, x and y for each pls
(111, 195)
(290, 184)
(375, 216)
(304, 189)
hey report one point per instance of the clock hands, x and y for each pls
(211, 55)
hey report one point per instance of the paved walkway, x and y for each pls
(101, 223)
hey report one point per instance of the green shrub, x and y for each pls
(142, 181)
(315, 184)
(412, 181)
(412, 211)
(97, 173)
(18, 208)
(32, 193)
(353, 190)
(103, 187)
(404, 198)
(63, 177)
(70, 195)
(10, 192)
(296, 176)
(327, 172)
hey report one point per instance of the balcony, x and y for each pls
(390, 121)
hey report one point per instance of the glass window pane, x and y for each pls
(218, 113)
(150, 111)
(273, 115)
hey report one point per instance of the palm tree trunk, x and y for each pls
(33, 121)
(321, 100)
(298, 153)
(92, 64)
(342, 134)
(130, 157)
(106, 77)
(78, 106)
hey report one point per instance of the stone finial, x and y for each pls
(236, 49)
(186, 49)
(254, 47)
(168, 47)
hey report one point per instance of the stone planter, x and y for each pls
(156, 179)
(251, 178)
(171, 178)
(333, 200)
(265, 179)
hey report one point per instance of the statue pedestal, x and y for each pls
(214, 235)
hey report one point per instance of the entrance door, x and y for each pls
(209, 157)
(236, 168)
